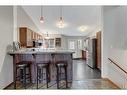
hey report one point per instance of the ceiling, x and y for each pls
(74, 16)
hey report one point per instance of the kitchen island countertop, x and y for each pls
(39, 51)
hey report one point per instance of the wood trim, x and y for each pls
(117, 65)
(98, 36)
(111, 82)
(8, 85)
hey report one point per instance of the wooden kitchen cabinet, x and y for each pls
(83, 54)
(57, 42)
(26, 36)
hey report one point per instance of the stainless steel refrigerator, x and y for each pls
(92, 53)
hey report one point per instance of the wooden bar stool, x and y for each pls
(23, 76)
(41, 67)
(61, 66)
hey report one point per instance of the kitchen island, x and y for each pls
(37, 55)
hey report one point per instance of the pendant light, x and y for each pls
(42, 17)
(60, 23)
(47, 36)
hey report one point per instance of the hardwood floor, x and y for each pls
(83, 78)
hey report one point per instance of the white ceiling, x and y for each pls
(74, 16)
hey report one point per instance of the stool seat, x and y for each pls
(22, 65)
(21, 72)
(61, 64)
(41, 65)
(42, 70)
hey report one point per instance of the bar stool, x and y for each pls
(41, 66)
(61, 66)
(23, 75)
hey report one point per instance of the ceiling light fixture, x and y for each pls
(41, 18)
(60, 23)
(82, 28)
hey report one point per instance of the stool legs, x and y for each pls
(24, 77)
(47, 77)
(37, 78)
(30, 74)
(66, 77)
(40, 75)
(59, 75)
(57, 78)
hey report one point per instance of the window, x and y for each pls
(71, 45)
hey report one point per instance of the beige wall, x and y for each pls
(6, 38)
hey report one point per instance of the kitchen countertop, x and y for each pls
(39, 51)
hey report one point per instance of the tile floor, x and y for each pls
(83, 78)
(88, 78)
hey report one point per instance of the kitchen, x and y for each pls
(53, 43)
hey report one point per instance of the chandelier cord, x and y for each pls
(61, 11)
(41, 11)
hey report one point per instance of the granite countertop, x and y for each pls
(39, 51)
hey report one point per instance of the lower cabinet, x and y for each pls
(83, 54)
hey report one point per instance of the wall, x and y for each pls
(114, 38)
(23, 20)
(6, 38)
(11, 18)
(114, 73)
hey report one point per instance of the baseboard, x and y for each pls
(111, 82)
(7, 86)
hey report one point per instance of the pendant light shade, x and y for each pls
(41, 18)
(60, 23)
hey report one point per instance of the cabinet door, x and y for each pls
(23, 36)
(57, 42)
(32, 35)
(29, 37)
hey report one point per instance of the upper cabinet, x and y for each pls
(26, 37)
(58, 42)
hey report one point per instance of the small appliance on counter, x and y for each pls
(37, 43)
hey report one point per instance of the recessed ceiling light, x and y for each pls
(82, 28)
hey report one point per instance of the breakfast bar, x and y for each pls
(37, 55)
